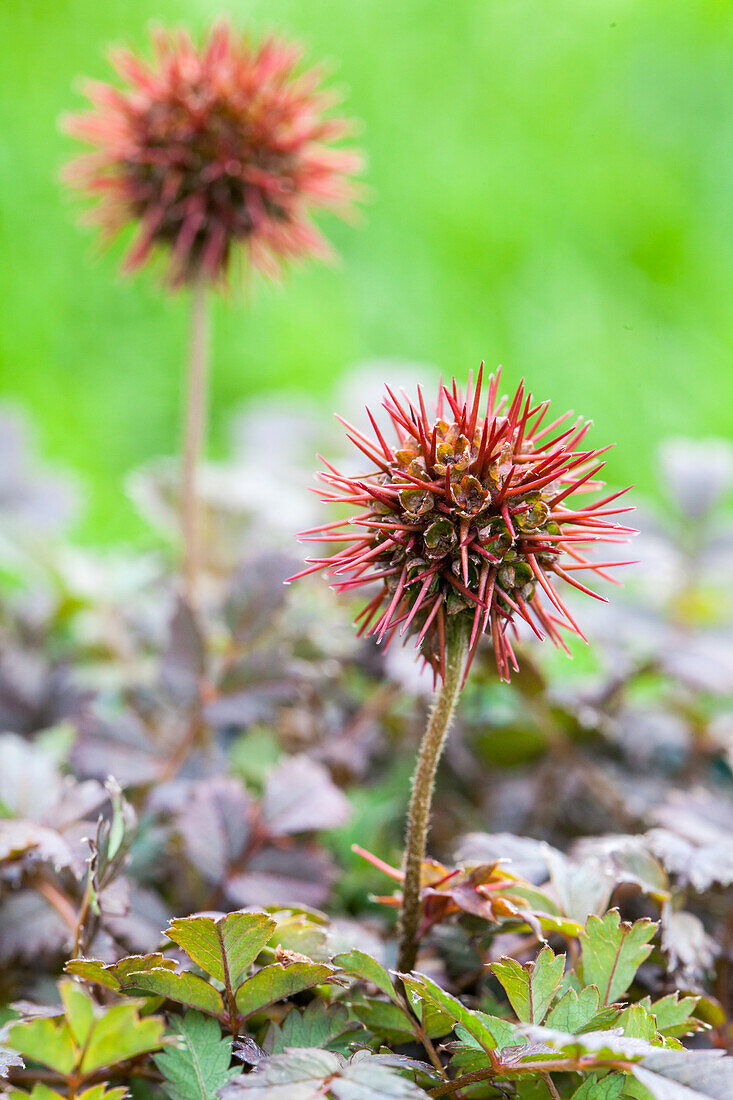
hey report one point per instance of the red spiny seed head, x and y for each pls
(210, 148)
(469, 518)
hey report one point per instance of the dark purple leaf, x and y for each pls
(300, 797)
(215, 824)
(296, 876)
(257, 594)
(182, 663)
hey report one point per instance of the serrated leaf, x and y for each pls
(531, 988)
(111, 975)
(277, 982)
(200, 1064)
(469, 1054)
(318, 1025)
(119, 1034)
(477, 1024)
(604, 1019)
(674, 1014)
(301, 932)
(46, 1041)
(692, 1075)
(79, 1011)
(386, 1020)
(316, 1074)
(435, 1022)
(574, 1010)
(295, 1075)
(368, 969)
(101, 1092)
(610, 1087)
(369, 1079)
(186, 989)
(612, 952)
(224, 948)
(106, 1037)
(637, 1022)
(603, 1043)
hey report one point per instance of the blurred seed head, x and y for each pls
(206, 149)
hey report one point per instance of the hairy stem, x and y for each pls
(551, 1086)
(193, 439)
(423, 782)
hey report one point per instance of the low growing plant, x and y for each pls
(464, 523)
(572, 933)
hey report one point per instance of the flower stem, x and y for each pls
(194, 434)
(423, 782)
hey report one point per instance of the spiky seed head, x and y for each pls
(210, 148)
(468, 520)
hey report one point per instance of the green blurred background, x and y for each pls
(551, 189)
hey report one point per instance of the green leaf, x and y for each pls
(610, 1087)
(318, 1026)
(477, 1024)
(368, 969)
(87, 1037)
(612, 952)
(386, 1020)
(531, 988)
(531, 1089)
(467, 1056)
(303, 932)
(688, 1075)
(470, 1055)
(96, 1092)
(200, 1064)
(48, 1041)
(674, 1014)
(605, 1018)
(112, 975)
(38, 1092)
(277, 982)
(434, 1020)
(224, 948)
(637, 1022)
(315, 1074)
(101, 1092)
(574, 1010)
(79, 1010)
(120, 1034)
(187, 989)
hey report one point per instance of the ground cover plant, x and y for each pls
(202, 926)
(204, 769)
